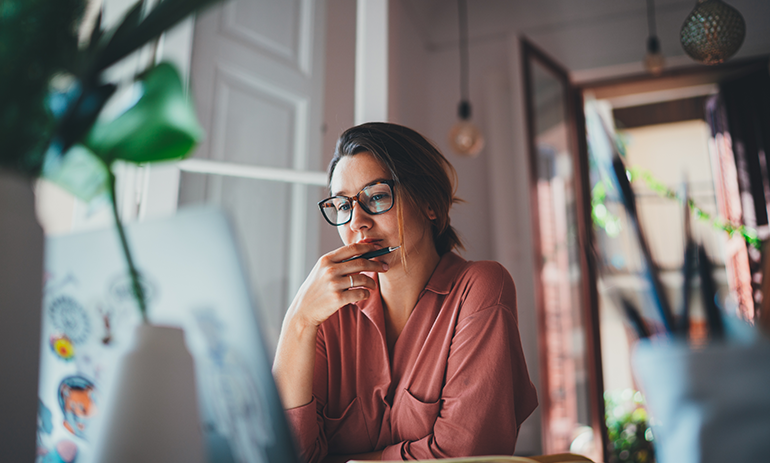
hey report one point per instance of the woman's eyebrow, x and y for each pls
(377, 180)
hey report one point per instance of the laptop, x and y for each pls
(193, 279)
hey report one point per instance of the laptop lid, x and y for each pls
(193, 279)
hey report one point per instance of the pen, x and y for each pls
(369, 255)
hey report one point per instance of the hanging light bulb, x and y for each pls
(653, 59)
(464, 137)
(713, 32)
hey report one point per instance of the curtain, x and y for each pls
(739, 117)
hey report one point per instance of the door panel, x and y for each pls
(253, 123)
(257, 80)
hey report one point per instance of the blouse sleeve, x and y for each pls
(487, 393)
(306, 421)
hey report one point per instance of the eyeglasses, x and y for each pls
(374, 199)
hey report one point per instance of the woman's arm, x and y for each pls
(326, 289)
(331, 285)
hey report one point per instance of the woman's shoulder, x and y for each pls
(484, 272)
(484, 283)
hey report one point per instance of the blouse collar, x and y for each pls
(445, 274)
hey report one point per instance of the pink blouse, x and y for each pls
(457, 384)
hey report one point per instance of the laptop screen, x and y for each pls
(193, 279)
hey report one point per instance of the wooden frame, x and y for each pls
(588, 290)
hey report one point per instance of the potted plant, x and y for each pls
(53, 88)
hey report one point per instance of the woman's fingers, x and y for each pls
(333, 284)
(361, 265)
(351, 251)
(357, 280)
(334, 267)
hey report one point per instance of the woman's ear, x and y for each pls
(430, 213)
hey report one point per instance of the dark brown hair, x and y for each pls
(422, 175)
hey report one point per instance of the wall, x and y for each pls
(339, 92)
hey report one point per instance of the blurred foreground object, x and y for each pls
(150, 417)
(709, 405)
(21, 290)
(53, 88)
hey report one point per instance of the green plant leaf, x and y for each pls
(79, 172)
(126, 27)
(81, 116)
(96, 33)
(161, 126)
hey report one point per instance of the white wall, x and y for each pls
(408, 72)
(339, 91)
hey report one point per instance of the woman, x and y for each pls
(414, 354)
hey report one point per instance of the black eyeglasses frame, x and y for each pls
(390, 183)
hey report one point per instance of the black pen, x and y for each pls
(371, 254)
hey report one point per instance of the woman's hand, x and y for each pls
(332, 284)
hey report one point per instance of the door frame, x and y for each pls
(588, 291)
(689, 76)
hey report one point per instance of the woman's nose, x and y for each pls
(359, 219)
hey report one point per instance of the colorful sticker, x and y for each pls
(69, 317)
(77, 399)
(62, 347)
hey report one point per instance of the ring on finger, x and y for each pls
(351, 280)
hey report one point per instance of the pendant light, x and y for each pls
(464, 137)
(713, 32)
(653, 59)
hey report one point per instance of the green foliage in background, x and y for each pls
(747, 233)
(630, 437)
(610, 223)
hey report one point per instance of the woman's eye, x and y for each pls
(343, 207)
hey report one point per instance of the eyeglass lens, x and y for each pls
(373, 199)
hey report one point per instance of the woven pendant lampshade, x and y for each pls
(713, 32)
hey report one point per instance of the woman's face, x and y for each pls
(351, 174)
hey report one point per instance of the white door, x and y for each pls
(257, 80)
